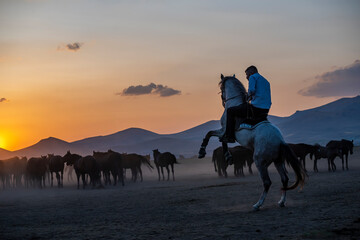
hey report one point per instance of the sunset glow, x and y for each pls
(64, 73)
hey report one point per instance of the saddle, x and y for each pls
(249, 123)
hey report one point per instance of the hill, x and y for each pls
(336, 120)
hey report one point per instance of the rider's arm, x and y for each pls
(252, 86)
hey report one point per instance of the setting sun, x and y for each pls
(2, 142)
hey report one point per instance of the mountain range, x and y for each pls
(336, 120)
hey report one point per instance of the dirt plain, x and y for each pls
(198, 205)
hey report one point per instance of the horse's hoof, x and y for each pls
(202, 153)
(281, 204)
(256, 207)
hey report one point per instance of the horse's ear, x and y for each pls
(222, 77)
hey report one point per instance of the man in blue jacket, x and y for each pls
(260, 95)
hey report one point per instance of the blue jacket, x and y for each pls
(259, 89)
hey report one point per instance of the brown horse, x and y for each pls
(301, 150)
(325, 152)
(241, 157)
(56, 165)
(344, 147)
(82, 166)
(36, 169)
(133, 161)
(164, 160)
(12, 171)
(87, 165)
(110, 162)
(220, 164)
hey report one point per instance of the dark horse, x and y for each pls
(82, 166)
(56, 165)
(345, 147)
(110, 162)
(241, 157)
(164, 160)
(133, 161)
(301, 150)
(324, 152)
(36, 170)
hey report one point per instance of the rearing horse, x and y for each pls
(264, 139)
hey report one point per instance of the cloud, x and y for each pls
(338, 83)
(152, 88)
(3, 100)
(70, 47)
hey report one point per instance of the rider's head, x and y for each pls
(250, 71)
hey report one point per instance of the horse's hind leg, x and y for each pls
(58, 178)
(162, 171)
(284, 179)
(158, 170)
(140, 172)
(172, 170)
(168, 172)
(51, 178)
(62, 178)
(266, 182)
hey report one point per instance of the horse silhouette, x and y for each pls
(56, 165)
(82, 166)
(301, 150)
(36, 169)
(110, 162)
(12, 171)
(324, 152)
(242, 157)
(134, 161)
(344, 147)
(263, 139)
(162, 160)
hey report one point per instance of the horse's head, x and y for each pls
(70, 158)
(231, 88)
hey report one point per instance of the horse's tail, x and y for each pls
(146, 162)
(292, 160)
(175, 160)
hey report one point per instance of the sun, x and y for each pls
(2, 142)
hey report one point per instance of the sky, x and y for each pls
(77, 69)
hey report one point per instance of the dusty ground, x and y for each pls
(198, 205)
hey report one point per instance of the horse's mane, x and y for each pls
(237, 82)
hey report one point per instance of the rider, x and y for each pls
(260, 96)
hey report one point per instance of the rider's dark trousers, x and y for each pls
(242, 111)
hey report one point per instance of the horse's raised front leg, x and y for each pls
(202, 151)
(266, 182)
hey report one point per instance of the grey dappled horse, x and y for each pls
(265, 140)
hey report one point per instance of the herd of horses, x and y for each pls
(111, 165)
(17, 172)
(243, 157)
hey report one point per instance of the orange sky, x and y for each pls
(49, 89)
